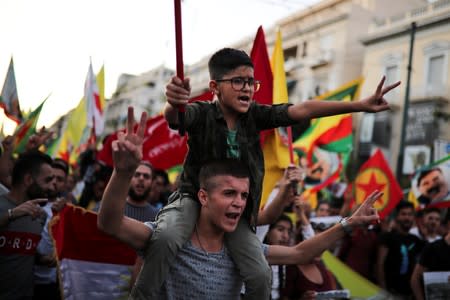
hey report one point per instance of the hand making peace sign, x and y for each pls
(127, 149)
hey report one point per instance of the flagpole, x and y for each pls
(179, 55)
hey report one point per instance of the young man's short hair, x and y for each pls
(227, 60)
(231, 167)
(29, 162)
(428, 210)
(163, 174)
(61, 164)
(403, 204)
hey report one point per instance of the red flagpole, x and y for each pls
(180, 65)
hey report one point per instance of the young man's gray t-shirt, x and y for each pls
(199, 275)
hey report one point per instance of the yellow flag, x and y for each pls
(276, 152)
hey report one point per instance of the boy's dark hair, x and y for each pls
(29, 162)
(403, 204)
(425, 173)
(148, 165)
(61, 164)
(215, 168)
(226, 60)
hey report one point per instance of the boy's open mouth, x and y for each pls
(233, 216)
(244, 98)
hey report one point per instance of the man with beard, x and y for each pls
(21, 223)
(137, 206)
(397, 253)
(433, 186)
(45, 274)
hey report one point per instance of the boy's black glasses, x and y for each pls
(238, 83)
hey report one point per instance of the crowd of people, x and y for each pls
(205, 235)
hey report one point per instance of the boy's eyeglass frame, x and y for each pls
(238, 83)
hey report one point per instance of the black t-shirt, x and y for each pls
(400, 260)
(436, 256)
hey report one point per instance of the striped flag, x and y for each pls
(91, 264)
(9, 98)
(26, 129)
(93, 103)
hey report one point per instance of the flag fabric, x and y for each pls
(94, 105)
(333, 133)
(375, 174)
(91, 264)
(275, 149)
(26, 129)
(9, 98)
(263, 73)
(163, 147)
(76, 133)
(359, 287)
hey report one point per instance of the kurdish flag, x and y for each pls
(26, 129)
(333, 133)
(375, 174)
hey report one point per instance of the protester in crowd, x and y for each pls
(21, 223)
(323, 209)
(397, 253)
(435, 257)
(46, 284)
(159, 192)
(303, 227)
(280, 233)
(304, 280)
(6, 164)
(225, 188)
(229, 127)
(427, 228)
(94, 186)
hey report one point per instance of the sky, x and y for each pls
(53, 41)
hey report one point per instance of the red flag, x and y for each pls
(263, 73)
(163, 147)
(375, 174)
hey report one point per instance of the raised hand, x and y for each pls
(127, 149)
(38, 139)
(31, 207)
(178, 92)
(377, 102)
(366, 213)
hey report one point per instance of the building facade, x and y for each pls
(411, 133)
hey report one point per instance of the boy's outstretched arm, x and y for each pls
(177, 93)
(127, 153)
(305, 251)
(317, 109)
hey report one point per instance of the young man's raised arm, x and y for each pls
(127, 153)
(315, 109)
(305, 251)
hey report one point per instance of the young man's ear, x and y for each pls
(27, 179)
(213, 87)
(202, 197)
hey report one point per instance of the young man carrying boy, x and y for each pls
(203, 268)
(229, 127)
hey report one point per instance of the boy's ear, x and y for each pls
(213, 87)
(202, 197)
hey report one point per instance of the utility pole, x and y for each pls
(401, 150)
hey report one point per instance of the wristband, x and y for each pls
(10, 214)
(345, 226)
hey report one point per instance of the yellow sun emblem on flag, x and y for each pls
(369, 180)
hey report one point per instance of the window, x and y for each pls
(436, 68)
(392, 63)
(436, 71)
